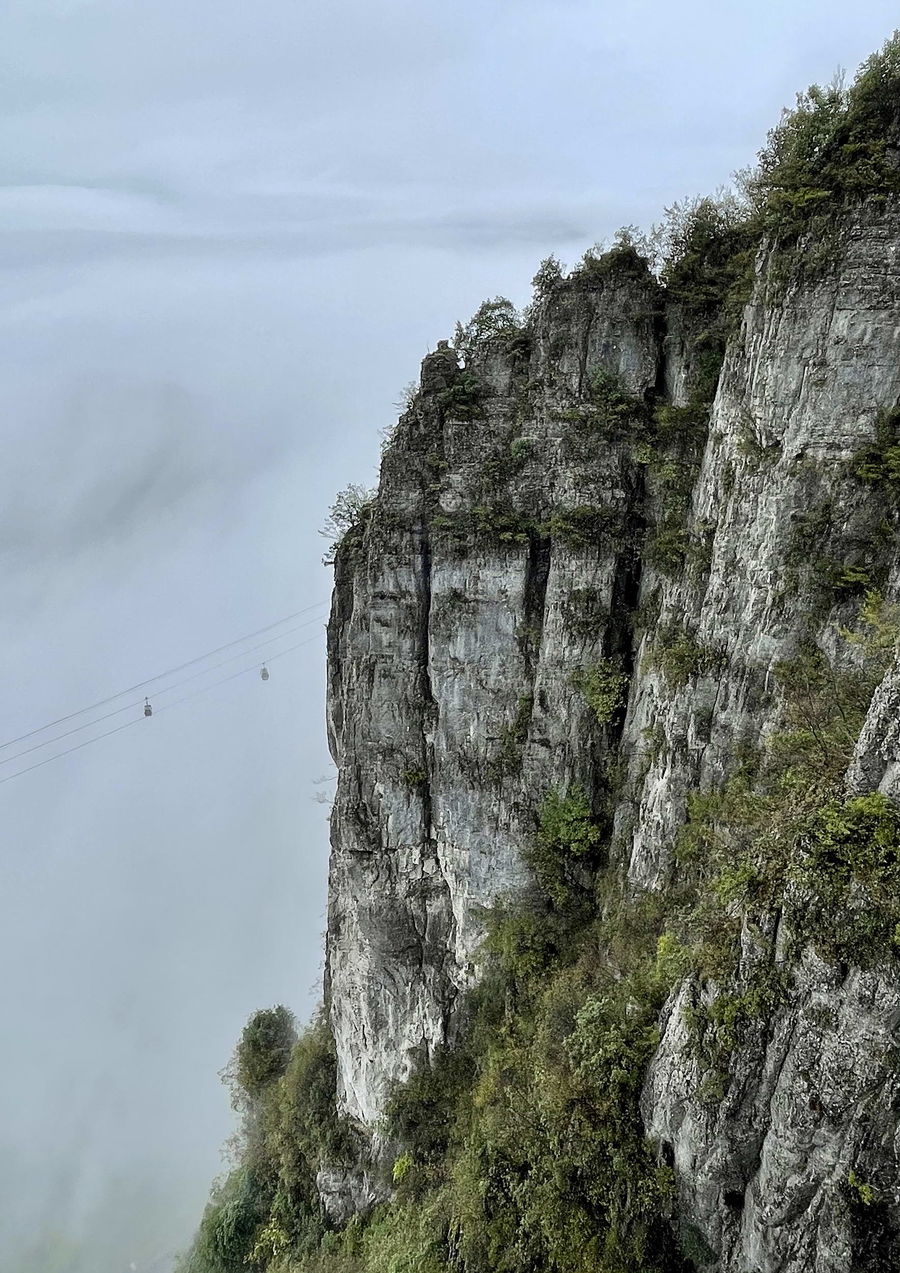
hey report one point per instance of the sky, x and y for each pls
(228, 234)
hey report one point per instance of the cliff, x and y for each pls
(510, 554)
(613, 951)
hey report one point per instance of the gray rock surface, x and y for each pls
(506, 552)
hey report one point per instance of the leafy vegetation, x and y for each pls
(781, 834)
(348, 513)
(678, 655)
(497, 318)
(521, 1147)
(464, 399)
(264, 1050)
(269, 1203)
(603, 685)
(628, 257)
(878, 465)
(707, 247)
(616, 411)
(566, 849)
(833, 149)
(508, 758)
(548, 276)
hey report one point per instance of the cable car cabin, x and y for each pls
(148, 710)
(264, 673)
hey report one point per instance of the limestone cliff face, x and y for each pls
(519, 539)
(817, 1088)
(500, 558)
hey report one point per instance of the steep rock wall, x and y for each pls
(499, 559)
(763, 1173)
(513, 545)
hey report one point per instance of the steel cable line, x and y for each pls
(201, 658)
(234, 675)
(168, 706)
(97, 720)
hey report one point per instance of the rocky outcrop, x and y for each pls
(499, 560)
(525, 533)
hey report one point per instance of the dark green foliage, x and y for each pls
(270, 1204)
(264, 1049)
(508, 758)
(671, 451)
(628, 258)
(521, 1148)
(548, 277)
(878, 465)
(553, 1172)
(566, 850)
(603, 685)
(668, 546)
(497, 318)
(781, 836)
(706, 244)
(679, 426)
(587, 524)
(501, 523)
(464, 399)
(679, 656)
(836, 147)
(226, 1237)
(616, 411)
(707, 268)
(518, 347)
(849, 864)
(507, 525)
(846, 557)
(421, 1113)
(850, 581)
(585, 611)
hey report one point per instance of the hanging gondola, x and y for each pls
(148, 710)
(264, 673)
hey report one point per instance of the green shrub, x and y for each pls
(566, 849)
(780, 835)
(849, 868)
(707, 248)
(508, 758)
(421, 1112)
(667, 547)
(586, 524)
(463, 399)
(270, 1205)
(347, 517)
(678, 655)
(833, 149)
(627, 258)
(554, 1172)
(264, 1050)
(603, 686)
(227, 1232)
(616, 411)
(878, 465)
(547, 278)
(493, 318)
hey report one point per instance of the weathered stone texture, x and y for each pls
(504, 554)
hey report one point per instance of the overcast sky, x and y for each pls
(228, 234)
